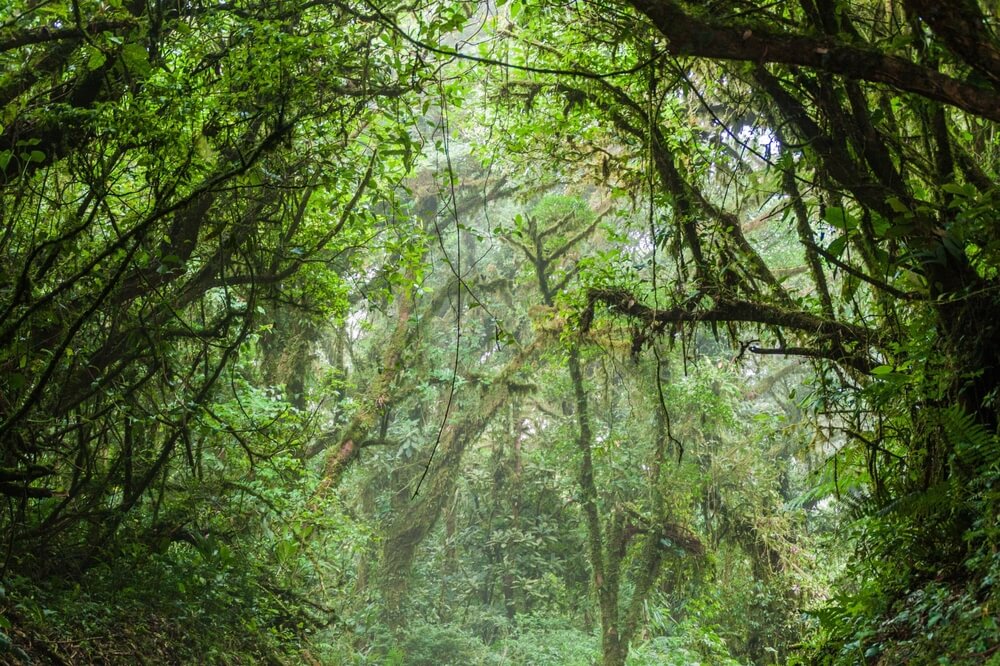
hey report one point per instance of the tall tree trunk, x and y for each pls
(373, 403)
(411, 526)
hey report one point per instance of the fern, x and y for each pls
(973, 445)
(919, 503)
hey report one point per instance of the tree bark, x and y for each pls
(411, 526)
(694, 36)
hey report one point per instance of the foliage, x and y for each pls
(531, 333)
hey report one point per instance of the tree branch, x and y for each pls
(962, 27)
(834, 333)
(704, 38)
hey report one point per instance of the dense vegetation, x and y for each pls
(645, 332)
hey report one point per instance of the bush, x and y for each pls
(441, 645)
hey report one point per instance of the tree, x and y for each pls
(172, 176)
(869, 125)
(196, 198)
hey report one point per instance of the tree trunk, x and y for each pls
(410, 527)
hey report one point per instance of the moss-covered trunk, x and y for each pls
(408, 528)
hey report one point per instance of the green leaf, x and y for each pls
(136, 59)
(966, 190)
(202, 148)
(898, 230)
(840, 218)
(880, 225)
(836, 248)
(897, 205)
(96, 59)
